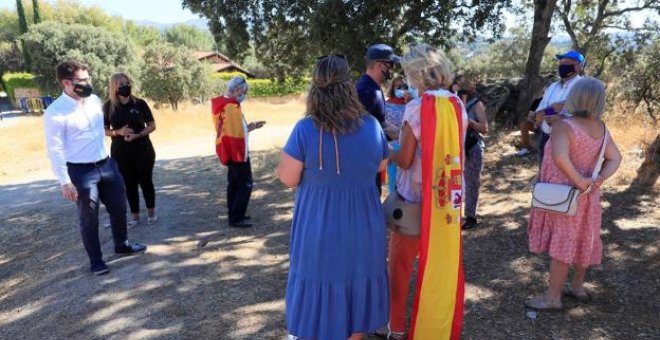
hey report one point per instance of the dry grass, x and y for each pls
(23, 143)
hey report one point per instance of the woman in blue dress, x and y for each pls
(337, 287)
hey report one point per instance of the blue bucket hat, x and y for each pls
(382, 52)
(575, 55)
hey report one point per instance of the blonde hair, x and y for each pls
(427, 67)
(587, 98)
(113, 87)
(332, 101)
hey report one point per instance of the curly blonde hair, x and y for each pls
(427, 67)
(332, 101)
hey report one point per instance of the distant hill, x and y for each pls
(200, 23)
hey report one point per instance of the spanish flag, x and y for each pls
(438, 304)
(230, 135)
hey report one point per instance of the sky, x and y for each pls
(162, 11)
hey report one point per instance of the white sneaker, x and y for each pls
(523, 152)
(132, 223)
(152, 220)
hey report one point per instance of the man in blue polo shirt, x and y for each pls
(380, 61)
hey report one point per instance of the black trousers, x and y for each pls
(239, 189)
(136, 165)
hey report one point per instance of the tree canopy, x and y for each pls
(50, 43)
(290, 34)
(189, 37)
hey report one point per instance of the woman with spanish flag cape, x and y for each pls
(431, 174)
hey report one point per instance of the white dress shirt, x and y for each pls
(74, 133)
(556, 93)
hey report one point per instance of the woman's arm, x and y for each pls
(561, 138)
(482, 125)
(612, 161)
(151, 127)
(404, 157)
(289, 171)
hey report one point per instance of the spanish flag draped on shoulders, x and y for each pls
(230, 127)
(438, 304)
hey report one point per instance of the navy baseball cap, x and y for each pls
(382, 52)
(575, 55)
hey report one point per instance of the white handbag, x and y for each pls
(561, 198)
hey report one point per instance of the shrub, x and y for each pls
(268, 87)
(13, 81)
(226, 76)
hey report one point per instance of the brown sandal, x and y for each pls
(539, 303)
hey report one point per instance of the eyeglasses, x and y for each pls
(340, 56)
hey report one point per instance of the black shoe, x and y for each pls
(241, 224)
(469, 223)
(99, 269)
(129, 249)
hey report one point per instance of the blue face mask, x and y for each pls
(413, 92)
(240, 98)
(399, 93)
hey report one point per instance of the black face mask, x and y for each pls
(566, 71)
(124, 91)
(83, 90)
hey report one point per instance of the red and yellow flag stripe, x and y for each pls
(438, 305)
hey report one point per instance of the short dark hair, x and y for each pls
(66, 69)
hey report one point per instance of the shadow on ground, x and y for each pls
(199, 279)
(203, 280)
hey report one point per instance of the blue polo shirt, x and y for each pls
(371, 97)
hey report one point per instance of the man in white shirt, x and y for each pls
(75, 142)
(551, 107)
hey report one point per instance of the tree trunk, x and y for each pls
(649, 171)
(532, 82)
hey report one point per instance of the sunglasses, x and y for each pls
(340, 56)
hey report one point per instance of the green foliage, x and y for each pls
(267, 87)
(270, 88)
(142, 36)
(504, 58)
(228, 75)
(13, 81)
(104, 52)
(289, 35)
(638, 72)
(189, 37)
(171, 75)
(11, 59)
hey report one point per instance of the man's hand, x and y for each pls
(558, 107)
(69, 192)
(538, 118)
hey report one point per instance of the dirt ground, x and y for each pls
(201, 279)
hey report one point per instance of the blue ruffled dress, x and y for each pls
(338, 276)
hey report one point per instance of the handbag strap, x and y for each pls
(601, 156)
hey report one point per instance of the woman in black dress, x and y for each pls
(128, 120)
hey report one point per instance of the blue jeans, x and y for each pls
(96, 182)
(543, 139)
